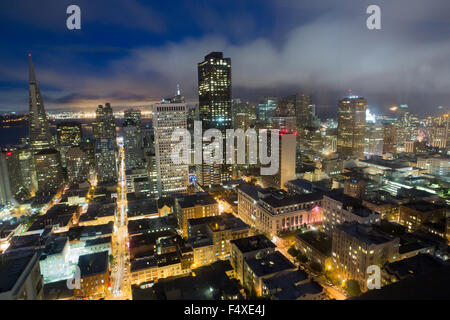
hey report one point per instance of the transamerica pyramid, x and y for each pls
(40, 137)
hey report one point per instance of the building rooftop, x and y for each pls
(94, 263)
(195, 200)
(365, 233)
(254, 243)
(317, 240)
(12, 267)
(206, 283)
(269, 264)
(150, 225)
(420, 264)
(275, 198)
(423, 206)
(291, 285)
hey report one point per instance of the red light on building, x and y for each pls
(9, 153)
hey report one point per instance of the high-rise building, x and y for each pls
(214, 94)
(172, 178)
(69, 132)
(374, 139)
(351, 126)
(132, 127)
(132, 117)
(105, 161)
(40, 137)
(105, 123)
(267, 109)
(77, 165)
(48, 170)
(389, 137)
(6, 196)
(287, 161)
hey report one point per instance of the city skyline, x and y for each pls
(325, 53)
(240, 185)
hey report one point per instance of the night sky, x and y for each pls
(131, 52)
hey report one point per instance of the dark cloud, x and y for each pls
(322, 47)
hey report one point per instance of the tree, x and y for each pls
(293, 252)
(352, 287)
(315, 266)
(302, 258)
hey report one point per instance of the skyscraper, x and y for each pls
(69, 132)
(374, 139)
(48, 170)
(105, 160)
(134, 156)
(287, 161)
(104, 126)
(172, 178)
(40, 137)
(77, 165)
(214, 94)
(351, 126)
(6, 196)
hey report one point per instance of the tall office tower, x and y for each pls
(287, 161)
(439, 136)
(6, 196)
(40, 137)
(267, 109)
(48, 170)
(105, 160)
(311, 140)
(132, 118)
(407, 125)
(304, 110)
(21, 170)
(172, 178)
(389, 134)
(69, 132)
(132, 127)
(88, 147)
(243, 114)
(214, 94)
(374, 139)
(77, 165)
(351, 126)
(105, 123)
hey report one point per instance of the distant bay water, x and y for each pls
(12, 135)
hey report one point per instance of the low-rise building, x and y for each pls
(95, 277)
(316, 246)
(246, 248)
(292, 285)
(194, 206)
(414, 214)
(20, 277)
(272, 211)
(356, 246)
(339, 208)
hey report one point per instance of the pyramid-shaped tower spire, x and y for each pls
(40, 137)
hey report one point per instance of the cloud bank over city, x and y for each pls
(136, 53)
